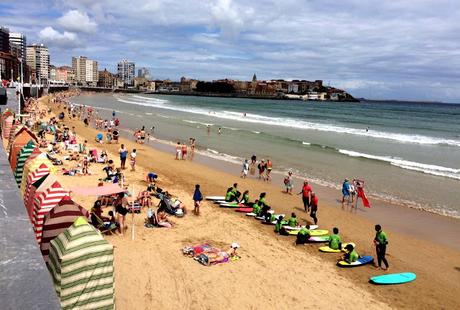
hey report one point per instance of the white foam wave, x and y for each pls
(196, 122)
(292, 123)
(306, 143)
(409, 165)
(147, 113)
(256, 132)
(212, 151)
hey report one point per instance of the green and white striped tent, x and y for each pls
(25, 152)
(81, 264)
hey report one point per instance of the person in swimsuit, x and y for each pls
(269, 166)
(121, 204)
(132, 158)
(184, 151)
(261, 168)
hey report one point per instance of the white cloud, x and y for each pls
(55, 38)
(76, 21)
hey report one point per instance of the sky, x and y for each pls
(386, 49)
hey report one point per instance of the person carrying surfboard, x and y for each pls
(335, 242)
(380, 242)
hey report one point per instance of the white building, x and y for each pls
(38, 59)
(126, 72)
(85, 70)
(143, 73)
(19, 40)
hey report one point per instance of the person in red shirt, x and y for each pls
(314, 207)
(306, 192)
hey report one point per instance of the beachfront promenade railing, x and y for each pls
(25, 282)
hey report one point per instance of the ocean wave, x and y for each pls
(409, 165)
(306, 143)
(256, 132)
(292, 123)
(196, 122)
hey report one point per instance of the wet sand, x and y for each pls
(273, 273)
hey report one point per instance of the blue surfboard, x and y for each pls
(394, 278)
(361, 261)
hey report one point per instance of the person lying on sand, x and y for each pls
(218, 257)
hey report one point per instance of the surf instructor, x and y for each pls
(380, 242)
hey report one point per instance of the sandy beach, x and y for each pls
(151, 272)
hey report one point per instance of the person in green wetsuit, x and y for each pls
(293, 220)
(351, 256)
(245, 198)
(235, 191)
(229, 196)
(256, 208)
(279, 226)
(335, 241)
(303, 235)
(380, 242)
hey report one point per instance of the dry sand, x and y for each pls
(152, 273)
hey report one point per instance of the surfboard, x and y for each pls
(319, 239)
(215, 198)
(316, 232)
(251, 214)
(311, 227)
(360, 262)
(394, 278)
(327, 249)
(245, 210)
(231, 205)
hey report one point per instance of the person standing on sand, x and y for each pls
(289, 183)
(244, 172)
(306, 195)
(345, 192)
(269, 166)
(261, 166)
(314, 207)
(178, 151)
(123, 155)
(184, 151)
(132, 159)
(121, 204)
(380, 242)
(197, 198)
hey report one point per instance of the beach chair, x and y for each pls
(99, 224)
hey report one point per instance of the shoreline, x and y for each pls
(405, 252)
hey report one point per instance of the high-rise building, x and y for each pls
(143, 73)
(126, 72)
(38, 59)
(65, 74)
(19, 41)
(85, 70)
(4, 40)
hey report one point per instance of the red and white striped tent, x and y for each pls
(32, 164)
(43, 204)
(59, 219)
(14, 129)
(7, 123)
(36, 189)
(31, 178)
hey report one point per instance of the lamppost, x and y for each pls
(21, 95)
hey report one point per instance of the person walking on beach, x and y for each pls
(132, 160)
(123, 155)
(184, 151)
(359, 185)
(261, 168)
(380, 242)
(269, 166)
(289, 183)
(314, 207)
(197, 198)
(306, 194)
(121, 204)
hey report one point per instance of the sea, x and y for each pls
(407, 153)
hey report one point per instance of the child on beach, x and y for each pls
(351, 255)
(289, 183)
(380, 242)
(335, 242)
(184, 151)
(244, 172)
(197, 198)
(132, 158)
(178, 151)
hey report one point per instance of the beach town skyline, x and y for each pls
(361, 51)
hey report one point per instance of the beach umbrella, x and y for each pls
(38, 187)
(43, 203)
(7, 123)
(25, 153)
(33, 164)
(35, 175)
(22, 137)
(59, 219)
(81, 265)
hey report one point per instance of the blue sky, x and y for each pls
(405, 49)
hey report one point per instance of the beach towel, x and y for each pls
(362, 195)
(197, 249)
